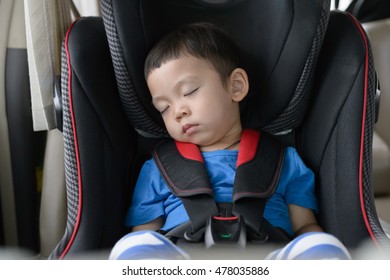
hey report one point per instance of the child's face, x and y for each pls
(194, 104)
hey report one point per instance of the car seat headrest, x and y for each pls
(367, 11)
(279, 41)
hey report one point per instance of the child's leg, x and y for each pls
(146, 244)
(312, 246)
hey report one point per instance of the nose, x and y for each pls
(181, 111)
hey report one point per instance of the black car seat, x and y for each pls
(312, 85)
(374, 16)
(375, 19)
(46, 24)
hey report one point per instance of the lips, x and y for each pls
(188, 128)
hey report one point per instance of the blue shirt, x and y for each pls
(152, 198)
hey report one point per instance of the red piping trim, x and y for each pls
(233, 218)
(76, 227)
(362, 205)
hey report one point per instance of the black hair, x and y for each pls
(201, 40)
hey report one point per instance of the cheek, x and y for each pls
(219, 105)
(168, 124)
(216, 111)
(215, 100)
(172, 128)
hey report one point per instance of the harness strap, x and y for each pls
(259, 165)
(182, 167)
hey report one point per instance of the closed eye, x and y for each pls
(164, 110)
(161, 108)
(191, 92)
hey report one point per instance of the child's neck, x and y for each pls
(232, 145)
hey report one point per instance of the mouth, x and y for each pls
(187, 128)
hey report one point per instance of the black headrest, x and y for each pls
(279, 41)
(369, 10)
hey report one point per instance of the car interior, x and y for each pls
(70, 158)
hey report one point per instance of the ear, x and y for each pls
(239, 84)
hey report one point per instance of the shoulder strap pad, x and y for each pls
(182, 167)
(259, 164)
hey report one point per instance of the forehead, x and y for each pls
(183, 69)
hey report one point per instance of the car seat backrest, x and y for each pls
(375, 15)
(336, 137)
(279, 41)
(98, 143)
